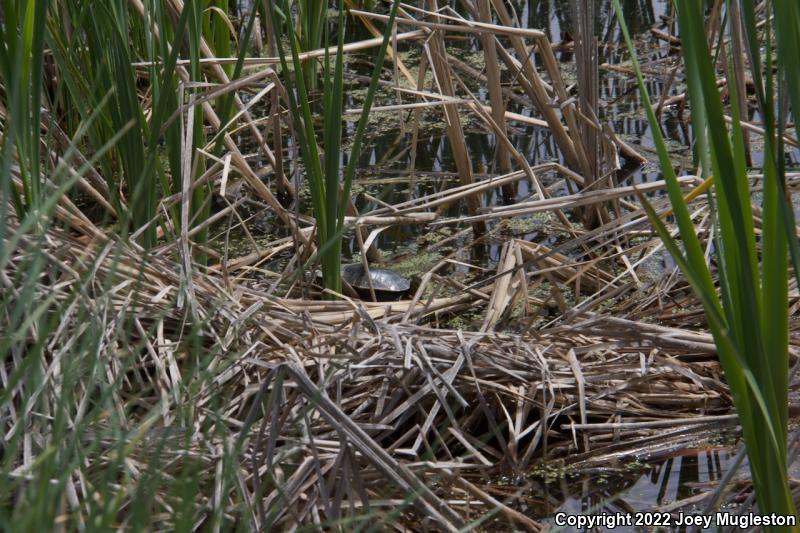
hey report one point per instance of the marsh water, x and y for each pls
(638, 487)
(392, 172)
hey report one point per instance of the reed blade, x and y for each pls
(750, 325)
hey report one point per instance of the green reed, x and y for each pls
(329, 194)
(749, 317)
(21, 67)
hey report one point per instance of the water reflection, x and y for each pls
(619, 107)
(649, 488)
(427, 166)
(554, 17)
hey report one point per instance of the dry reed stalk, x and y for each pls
(238, 159)
(417, 117)
(584, 29)
(391, 52)
(462, 25)
(538, 94)
(503, 140)
(572, 116)
(437, 57)
(304, 56)
(588, 277)
(473, 73)
(275, 110)
(441, 100)
(430, 201)
(509, 287)
(565, 202)
(498, 107)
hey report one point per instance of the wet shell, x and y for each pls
(383, 280)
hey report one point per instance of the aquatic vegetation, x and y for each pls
(177, 176)
(749, 318)
(329, 195)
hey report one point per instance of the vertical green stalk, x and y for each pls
(21, 60)
(108, 30)
(312, 19)
(200, 197)
(216, 30)
(329, 194)
(226, 102)
(164, 84)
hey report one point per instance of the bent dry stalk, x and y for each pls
(329, 196)
(749, 321)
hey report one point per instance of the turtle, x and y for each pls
(388, 284)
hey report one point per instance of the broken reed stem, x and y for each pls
(455, 132)
(537, 92)
(584, 29)
(498, 105)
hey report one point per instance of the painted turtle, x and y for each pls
(388, 285)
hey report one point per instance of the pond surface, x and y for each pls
(637, 487)
(392, 173)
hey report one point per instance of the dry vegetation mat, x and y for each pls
(376, 416)
(157, 374)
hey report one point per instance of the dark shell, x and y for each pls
(382, 279)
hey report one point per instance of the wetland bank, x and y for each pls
(577, 217)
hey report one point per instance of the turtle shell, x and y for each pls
(383, 280)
